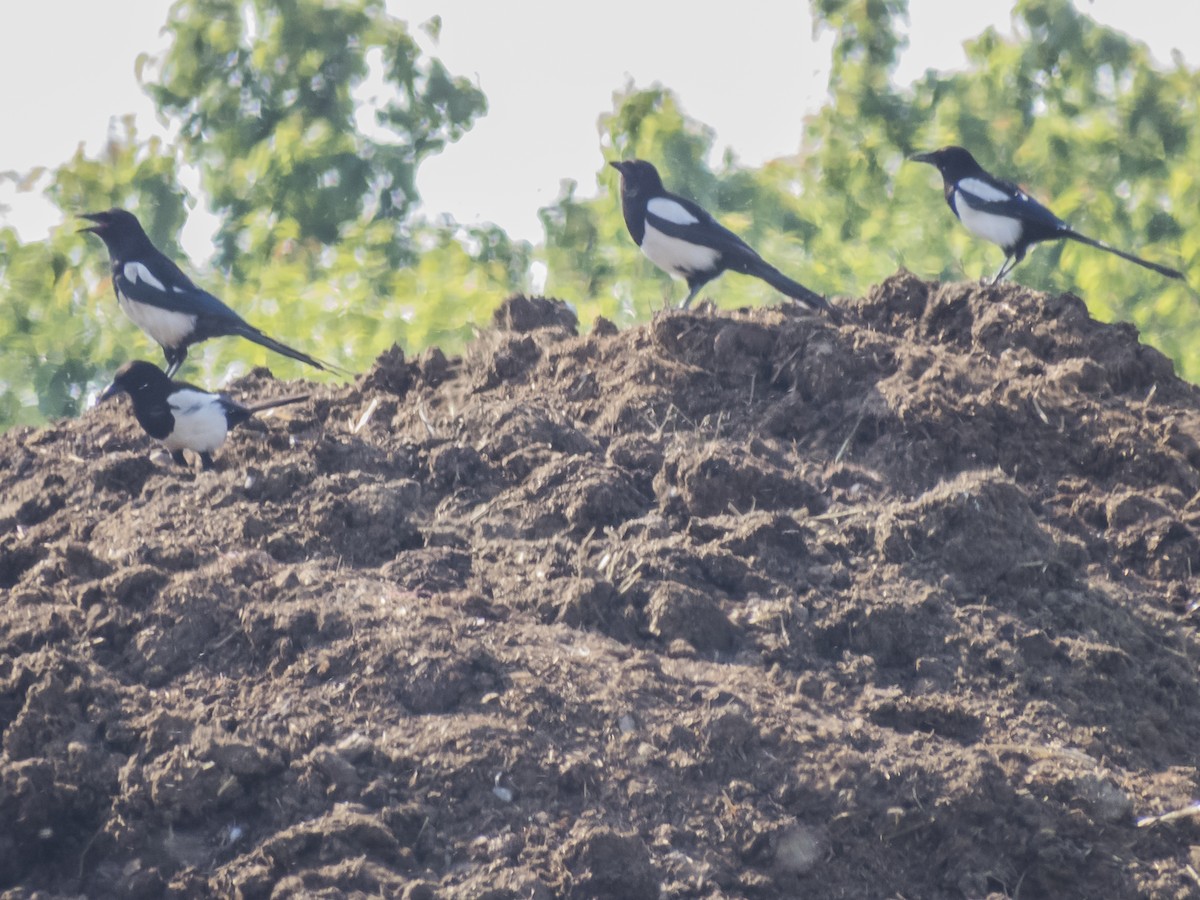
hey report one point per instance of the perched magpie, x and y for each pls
(1002, 213)
(181, 416)
(686, 242)
(163, 301)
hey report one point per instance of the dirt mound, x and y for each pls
(730, 604)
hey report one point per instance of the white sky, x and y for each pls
(549, 69)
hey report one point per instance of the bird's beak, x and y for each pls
(618, 164)
(91, 217)
(108, 393)
(924, 157)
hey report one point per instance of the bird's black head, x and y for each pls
(638, 176)
(953, 162)
(118, 228)
(137, 378)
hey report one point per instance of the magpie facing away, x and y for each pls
(181, 416)
(1000, 212)
(163, 301)
(686, 242)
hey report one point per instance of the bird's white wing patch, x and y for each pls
(200, 422)
(136, 271)
(668, 209)
(676, 256)
(1003, 230)
(975, 187)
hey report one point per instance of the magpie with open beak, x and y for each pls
(163, 301)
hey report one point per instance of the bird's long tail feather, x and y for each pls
(250, 333)
(793, 289)
(263, 405)
(1092, 242)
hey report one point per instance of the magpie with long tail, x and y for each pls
(183, 417)
(164, 302)
(1000, 212)
(685, 241)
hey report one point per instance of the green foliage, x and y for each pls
(264, 93)
(351, 304)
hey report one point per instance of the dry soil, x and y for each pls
(730, 604)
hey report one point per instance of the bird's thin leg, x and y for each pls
(175, 358)
(179, 458)
(206, 462)
(1009, 262)
(687, 301)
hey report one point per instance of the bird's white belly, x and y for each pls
(675, 256)
(166, 328)
(1002, 230)
(200, 422)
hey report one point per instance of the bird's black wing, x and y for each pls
(166, 287)
(1003, 198)
(680, 218)
(687, 221)
(156, 417)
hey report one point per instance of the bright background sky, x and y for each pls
(549, 68)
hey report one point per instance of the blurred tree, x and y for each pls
(307, 121)
(272, 102)
(1104, 137)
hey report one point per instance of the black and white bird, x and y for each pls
(685, 241)
(163, 301)
(1000, 212)
(183, 417)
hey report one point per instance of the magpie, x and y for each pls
(183, 417)
(1000, 212)
(163, 301)
(685, 241)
